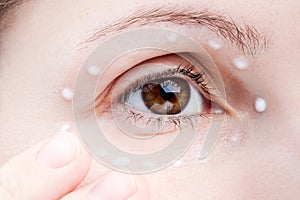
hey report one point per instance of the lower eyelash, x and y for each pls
(178, 121)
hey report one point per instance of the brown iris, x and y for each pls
(166, 96)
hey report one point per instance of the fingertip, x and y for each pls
(106, 188)
(62, 149)
(142, 189)
(48, 170)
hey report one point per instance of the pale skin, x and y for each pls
(40, 55)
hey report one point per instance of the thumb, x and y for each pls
(48, 170)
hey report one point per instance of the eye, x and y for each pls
(163, 91)
(165, 96)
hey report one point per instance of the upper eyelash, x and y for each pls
(137, 84)
(198, 77)
(187, 70)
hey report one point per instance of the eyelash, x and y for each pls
(198, 78)
(186, 70)
(191, 71)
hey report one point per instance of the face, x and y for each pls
(254, 47)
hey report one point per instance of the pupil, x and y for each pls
(166, 96)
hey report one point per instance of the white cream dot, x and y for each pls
(235, 137)
(219, 111)
(65, 127)
(240, 62)
(67, 94)
(215, 44)
(121, 161)
(260, 105)
(149, 165)
(172, 37)
(102, 153)
(93, 70)
(178, 163)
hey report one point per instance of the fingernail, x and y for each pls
(59, 151)
(113, 186)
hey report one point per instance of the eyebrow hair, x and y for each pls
(5, 7)
(245, 37)
(5, 4)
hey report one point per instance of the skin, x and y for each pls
(39, 56)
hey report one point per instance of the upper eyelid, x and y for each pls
(246, 37)
(179, 69)
(168, 72)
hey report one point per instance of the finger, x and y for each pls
(48, 170)
(113, 186)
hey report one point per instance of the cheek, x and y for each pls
(32, 106)
(132, 143)
(258, 170)
(262, 172)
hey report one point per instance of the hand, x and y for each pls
(53, 170)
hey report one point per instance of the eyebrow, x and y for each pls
(245, 37)
(6, 6)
